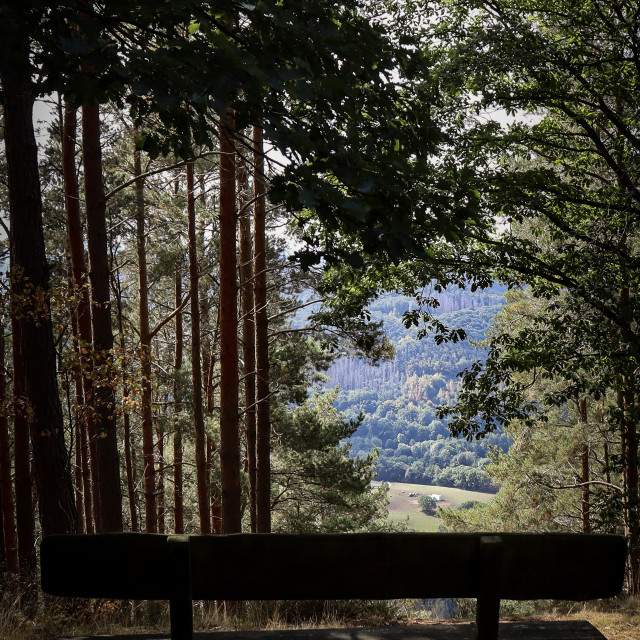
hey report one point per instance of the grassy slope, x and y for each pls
(403, 507)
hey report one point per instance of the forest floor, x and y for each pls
(616, 620)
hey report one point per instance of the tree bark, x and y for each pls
(31, 293)
(81, 292)
(6, 485)
(148, 449)
(108, 468)
(248, 336)
(178, 504)
(629, 442)
(130, 466)
(263, 419)
(77, 443)
(25, 521)
(633, 497)
(196, 367)
(586, 500)
(229, 384)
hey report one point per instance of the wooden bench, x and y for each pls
(366, 566)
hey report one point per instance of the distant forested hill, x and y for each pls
(398, 398)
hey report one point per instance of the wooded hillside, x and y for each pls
(397, 399)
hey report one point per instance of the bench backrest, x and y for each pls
(333, 566)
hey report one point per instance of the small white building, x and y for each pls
(437, 497)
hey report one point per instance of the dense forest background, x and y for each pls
(398, 399)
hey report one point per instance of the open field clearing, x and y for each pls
(403, 503)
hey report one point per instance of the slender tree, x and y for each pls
(107, 467)
(7, 503)
(248, 333)
(229, 424)
(196, 366)
(178, 476)
(25, 520)
(82, 311)
(263, 420)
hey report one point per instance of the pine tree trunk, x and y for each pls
(6, 486)
(160, 484)
(629, 441)
(633, 499)
(37, 350)
(178, 504)
(196, 367)
(83, 304)
(25, 521)
(148, 449)
(108, 468)
(229, 384)
(263, 419)
(86, 478)
(130, 467)
(248, 336)
(216, 498)
(586, 501)
(77, 448)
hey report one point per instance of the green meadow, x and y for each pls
(403, 503)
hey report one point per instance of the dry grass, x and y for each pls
(619, 620)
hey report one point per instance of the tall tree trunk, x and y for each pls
(83, 303)
(148, 448)
(216, 498)
(178, 504)
(229, 431)
(586, 501)
(25, 521)
(263, 419)
(77, 447)
(248, 336)
(6, 485)
(160, 502)
(87, 504)
(633, 497)
(108, 468)
(196, 367)
(31, 290)
(626, 402)
(130, 466)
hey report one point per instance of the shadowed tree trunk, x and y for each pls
(6, 486)
(130, 467)
(107, 468)
(148, 450)
(196, 367)
(31, 290)
(629, 440)
(263, 419)
(229, 427)
(178, 505)
(25, 521)
(586, 501)
(83, 304)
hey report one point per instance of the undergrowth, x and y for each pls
(49, 618)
